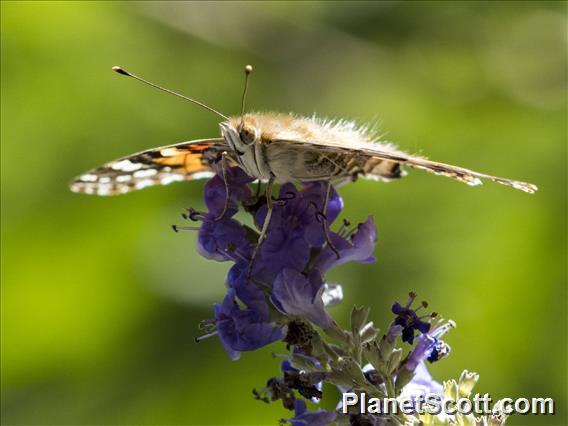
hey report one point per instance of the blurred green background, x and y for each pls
(100, 300)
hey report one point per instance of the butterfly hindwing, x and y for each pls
(377, 160)
(157, 166)
(465, 175)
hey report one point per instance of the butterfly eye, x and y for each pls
(247, 135)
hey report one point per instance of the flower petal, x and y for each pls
(360, 248)
(243, 329)
(295, 294)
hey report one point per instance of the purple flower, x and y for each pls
(289, 265)
(429, 346)
(421, 384)
(215, 191)
(243, 329)
(297, 294)
(246, 289)
(224, 239)
(357, 247)
(393, 332)
(283, 249)
(409, 320)
(303, 417)
(296, 226)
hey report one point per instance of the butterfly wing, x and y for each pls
(157, 166)
(378, 160)
(467, 176)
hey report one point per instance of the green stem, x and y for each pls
(390, 387)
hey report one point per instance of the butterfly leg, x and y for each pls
(262, 236)
(227, 188)
(322, 215)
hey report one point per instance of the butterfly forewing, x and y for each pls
(157, 166)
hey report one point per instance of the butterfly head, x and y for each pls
(240, 133)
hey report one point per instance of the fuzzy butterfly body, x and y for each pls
(282, 147)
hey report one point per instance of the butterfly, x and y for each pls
(271, 147)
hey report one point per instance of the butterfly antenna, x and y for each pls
(171, 92)
(248, 71)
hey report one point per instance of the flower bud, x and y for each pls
(394, 360)
(466, 383)
(451, 390)
(369, 332)
(358, 319)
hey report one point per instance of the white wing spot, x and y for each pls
(145, 173)
(171, 178)
(169, 152)
(89, 189)
(123, 189)
(126, 166)
(202, 175)
(144, 183)
(474, 182)
(103, 190)
(89, 178)
(123, 178)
